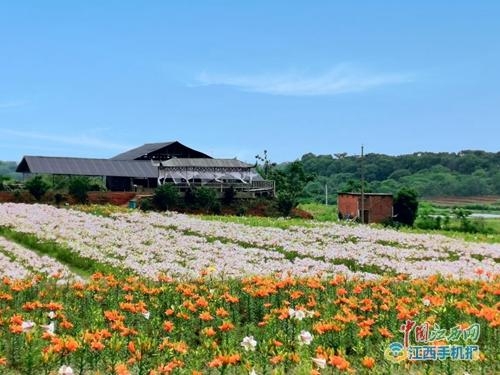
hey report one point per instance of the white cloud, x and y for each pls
(74, 140)
(343, 78)
(12, 104)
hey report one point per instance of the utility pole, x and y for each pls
(362, 188)
(326, 194)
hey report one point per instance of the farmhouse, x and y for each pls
(153, 164)
(377, 206)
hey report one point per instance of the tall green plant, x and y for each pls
(406, 206)
(290, 182)
(37, 187)
(165, 197)
(79, 187)
(206, 198)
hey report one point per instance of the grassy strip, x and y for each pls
(78, 264)
(469, 237)
(321, 212)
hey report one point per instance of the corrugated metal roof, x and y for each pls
(87, 167)
(148, 151)
(204, 163)
(141, 151)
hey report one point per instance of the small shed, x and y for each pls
(378, 207)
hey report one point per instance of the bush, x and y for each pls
(205, 198)
(146, 204)
(406, 206)
(166, 197)
(79, 187)
(285, 203)
(37, 187)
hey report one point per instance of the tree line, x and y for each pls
(465, 173)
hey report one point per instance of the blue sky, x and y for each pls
(232, 78)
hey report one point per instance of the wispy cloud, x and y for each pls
(12, 104)
(74, 140)
(343, 78)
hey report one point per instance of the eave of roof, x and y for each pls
(87, 167)
(204, 163)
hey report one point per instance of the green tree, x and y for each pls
(205, 198)
(37, 187)
(79, 187)
(165, 197)
(290, 180)
(406, 206)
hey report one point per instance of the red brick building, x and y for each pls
(378, 206)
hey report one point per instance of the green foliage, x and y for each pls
(290, 179)
(206, 199)
(320, 212)
(8, 170)
(465, 173)
(165, 197)
(467, 225)
(79, 187)
(37, 187)
(146, 204)
(406, 206)
(285, 203)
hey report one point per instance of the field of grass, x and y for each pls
(321, 212)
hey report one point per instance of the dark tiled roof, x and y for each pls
(141, 151)
(87, 167)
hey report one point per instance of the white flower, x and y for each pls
(65, 370)
(426, 301)
(297, 314)
(27, 325)
(249, 343)
(320, 362)
(305, 337)
(252, 372)
(51, 315)
(309, 314)
(146, 314)
(50, 328)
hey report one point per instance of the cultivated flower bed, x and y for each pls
(224, 298)
(19, 262)
(257, 325)
(182, 246)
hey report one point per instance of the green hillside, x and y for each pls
(467, 173)
(8, 169)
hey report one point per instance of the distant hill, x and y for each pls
(466, 173)
(8, 168)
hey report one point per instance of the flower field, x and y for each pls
(182, 246)
(191, 296)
